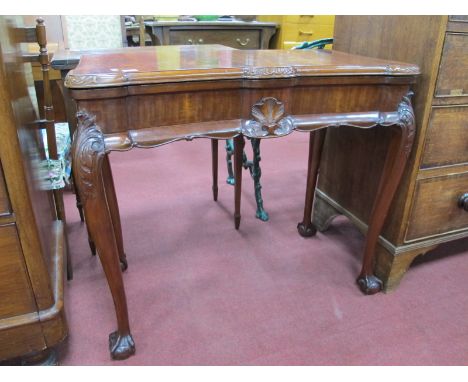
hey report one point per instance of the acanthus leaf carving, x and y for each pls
(83, 81)
(88, 153)
(407, 121)
(262, 72)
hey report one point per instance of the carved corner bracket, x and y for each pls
(269, 120)
(87, 154)
(407, 121)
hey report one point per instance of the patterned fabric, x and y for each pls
(56, 173)
(93, 32)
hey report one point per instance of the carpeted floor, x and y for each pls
(201, 293)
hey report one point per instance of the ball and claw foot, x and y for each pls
(262, 215)
(230, 180)
(306, 230)
(369, 284)
(121, 347)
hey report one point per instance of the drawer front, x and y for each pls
(16, 296)
(459, 18)
(309, 19)
(446, 137)
(435, 209)
(239, 39)
(453, 79)
(294, 34)
(297, 32)
(5, 208)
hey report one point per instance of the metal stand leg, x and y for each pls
(256, 173)
(229, 152)
(254, 169)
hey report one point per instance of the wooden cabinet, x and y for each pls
(235, 34)
(4, 202)
(295, 29)
(426, 210)
(32, 318)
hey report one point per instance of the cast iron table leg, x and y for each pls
(238, 151)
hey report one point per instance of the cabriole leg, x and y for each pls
(397, 156)
(89, 158)
(114, 210)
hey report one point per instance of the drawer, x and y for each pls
(16, 296)
(299, 33)
(453, 80)
(459, 18)
(446, 137)
(309, 19)
(240, 39)
(4, 201)
(435, 209)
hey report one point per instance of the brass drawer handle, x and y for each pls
(306, 33)
(463, 201)
(247, 40)
(190, 41)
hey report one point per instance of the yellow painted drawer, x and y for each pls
(302, 32)
(309, 19)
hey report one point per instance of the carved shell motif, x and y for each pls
(88, 152)
(267, 114)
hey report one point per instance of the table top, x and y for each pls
(180, 63)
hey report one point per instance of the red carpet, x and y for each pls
(202, 293)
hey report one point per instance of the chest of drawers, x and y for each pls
(235, 34)
(295, 29)
(429, 208)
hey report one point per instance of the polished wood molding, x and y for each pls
(266, 124)
(148, 65)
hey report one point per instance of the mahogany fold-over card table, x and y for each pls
(151, 96)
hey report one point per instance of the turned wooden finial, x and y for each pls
(41, 35)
